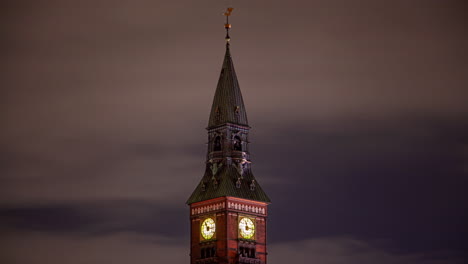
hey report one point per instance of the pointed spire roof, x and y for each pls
(228, 105)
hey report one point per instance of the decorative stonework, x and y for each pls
(246, 208)
(245, 260)
(207, 260)
(208, 208)
(241, 164)
(240, 168)
(236, 133)
(215, 166)
(230, 205)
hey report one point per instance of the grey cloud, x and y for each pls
(118, 248)
(340, 250)
(98, 218)
(89, 169)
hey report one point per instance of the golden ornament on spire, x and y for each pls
(228, 11)
(228, 14)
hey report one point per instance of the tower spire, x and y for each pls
(228, 208)
(228, 171)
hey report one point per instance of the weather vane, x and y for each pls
(227, 26)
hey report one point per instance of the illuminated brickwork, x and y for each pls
(227, 246)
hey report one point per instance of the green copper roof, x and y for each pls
(228, 106)
(226, 179)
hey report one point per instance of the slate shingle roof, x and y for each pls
(226, 186)
(228, 97)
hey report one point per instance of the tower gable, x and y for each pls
(228, 182)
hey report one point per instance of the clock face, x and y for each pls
(208, 228)
(246, 228)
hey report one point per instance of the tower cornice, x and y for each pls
(228, 125)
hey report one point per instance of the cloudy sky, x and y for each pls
(359, 112)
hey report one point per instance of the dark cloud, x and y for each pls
(339, 250)
(401, 181)
(98, 218)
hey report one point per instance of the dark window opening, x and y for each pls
(247, 252)
(208, 252)
(237, 143)
(217, 143)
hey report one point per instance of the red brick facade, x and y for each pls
(227, 246)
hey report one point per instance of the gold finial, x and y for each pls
(227, 26)
(228, 11)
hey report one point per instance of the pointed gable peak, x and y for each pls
(228, 105)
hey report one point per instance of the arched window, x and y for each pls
(237, 143)
(217, 144)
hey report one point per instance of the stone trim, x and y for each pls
(246, 208)
(208, 208)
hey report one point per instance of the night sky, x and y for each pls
(359, 115)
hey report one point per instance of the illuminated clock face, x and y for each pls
(246, 228)
(208, 228)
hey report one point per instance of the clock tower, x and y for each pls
(228, 208)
